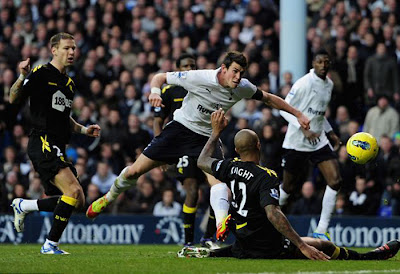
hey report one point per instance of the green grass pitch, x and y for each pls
(162, 259)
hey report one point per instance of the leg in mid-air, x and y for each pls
(330, 171)
(287, 187)
(293, 163)
(126, 179)
(22, 207)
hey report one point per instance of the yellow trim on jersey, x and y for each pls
(52, 84)
(241, 226)
(165, 88)
(45, 144)
(270, 171)
(236, 159)
(189, 210)
(69, 83)
(36, 68)
(178, 99)
(69, 200)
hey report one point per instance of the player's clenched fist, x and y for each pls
(155, 100)
(25, 67)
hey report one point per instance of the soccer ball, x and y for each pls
(362, 148)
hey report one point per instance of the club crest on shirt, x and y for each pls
(217, 106)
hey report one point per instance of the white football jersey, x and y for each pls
(205, 95)
(311, 95)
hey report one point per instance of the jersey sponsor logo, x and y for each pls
(60, 101)
(274, 194)
(203, 109)
(316, 112)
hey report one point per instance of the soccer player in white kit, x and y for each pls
(208, 90)
(311, 95)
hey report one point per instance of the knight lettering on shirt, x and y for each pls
(242, 172)
(205, 95)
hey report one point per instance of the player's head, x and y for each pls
(321, 63)
(247, 143)
(63, 48)
(185, 62)
(232, 68)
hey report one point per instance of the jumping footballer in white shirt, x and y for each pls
(208, 91)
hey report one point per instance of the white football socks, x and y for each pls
(29, 205)
(283, 196)
(328, 205)
(120, 185)
(219, 200)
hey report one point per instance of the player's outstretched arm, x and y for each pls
(15, 91)
(155, 96)
(218, 122)
(281, 223)
(91, 131)
(278, 103)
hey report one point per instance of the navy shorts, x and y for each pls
(177, 141)
(187, 168)
(47, 157)
(294, 161)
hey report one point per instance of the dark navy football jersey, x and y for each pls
(51, 95)
(253, 188)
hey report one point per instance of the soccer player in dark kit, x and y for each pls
(51, 94)
(262, 231)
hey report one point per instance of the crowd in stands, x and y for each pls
(122, 44)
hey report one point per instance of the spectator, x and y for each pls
(380, 75)
(362, 200)
(104, 178)
(93, 193)
(308, 204)
(35, 190)
(382, 119)
(167, 207)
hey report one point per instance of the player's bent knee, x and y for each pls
(335, 184)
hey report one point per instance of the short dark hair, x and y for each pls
(55, 39)
(235, 56)
(183, 56)
(321, 52)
